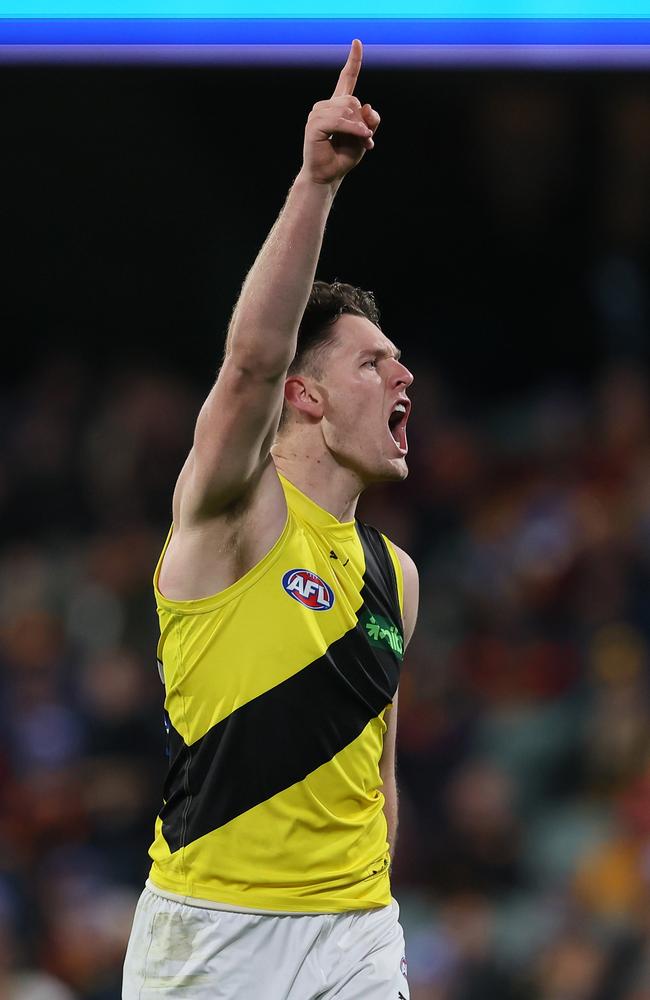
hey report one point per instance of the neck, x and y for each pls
(319, 476)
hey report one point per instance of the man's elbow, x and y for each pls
(264, 360)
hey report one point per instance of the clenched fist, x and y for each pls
(339, 130)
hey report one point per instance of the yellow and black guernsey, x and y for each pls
(275, 696)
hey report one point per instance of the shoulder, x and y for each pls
(409, 569)
(411, 590)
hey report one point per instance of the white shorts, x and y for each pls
(194, 953)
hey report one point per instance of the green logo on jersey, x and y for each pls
(382, 632)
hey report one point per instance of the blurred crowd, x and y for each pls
(523, 862)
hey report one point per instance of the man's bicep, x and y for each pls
(232, 439)
(411, 592)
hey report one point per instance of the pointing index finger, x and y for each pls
(350, 72)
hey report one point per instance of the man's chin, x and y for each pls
(392, 471)
(401, 468)
(384, 470)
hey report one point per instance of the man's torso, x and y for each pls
(276, 692)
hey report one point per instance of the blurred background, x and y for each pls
(503, 221)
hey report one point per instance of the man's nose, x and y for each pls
(401, 375)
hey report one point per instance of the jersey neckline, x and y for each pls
(314, 513)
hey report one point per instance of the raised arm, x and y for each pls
(238, 420)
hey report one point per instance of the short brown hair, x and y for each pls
(327, 303)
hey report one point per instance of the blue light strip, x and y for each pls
(270, 31)
(365, 10)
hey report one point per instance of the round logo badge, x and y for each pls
(308, 589)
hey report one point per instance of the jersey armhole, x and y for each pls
(200, 605)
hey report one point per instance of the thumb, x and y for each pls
(370, 117)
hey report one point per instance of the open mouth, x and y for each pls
(397, 426)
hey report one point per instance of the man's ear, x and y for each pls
(303, 394)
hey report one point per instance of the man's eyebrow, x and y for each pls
(383, 352)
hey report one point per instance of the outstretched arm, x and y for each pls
(238, 421)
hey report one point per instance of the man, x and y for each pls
(282, 634)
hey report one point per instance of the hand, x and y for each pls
(340, 130)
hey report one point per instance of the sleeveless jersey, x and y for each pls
(275, 695)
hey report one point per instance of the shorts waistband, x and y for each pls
(209, 904)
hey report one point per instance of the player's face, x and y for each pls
(366, 407)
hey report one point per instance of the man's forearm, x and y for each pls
(264, 326)
(391, 811)
(265, 322)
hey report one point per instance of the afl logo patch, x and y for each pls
(308, 589)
